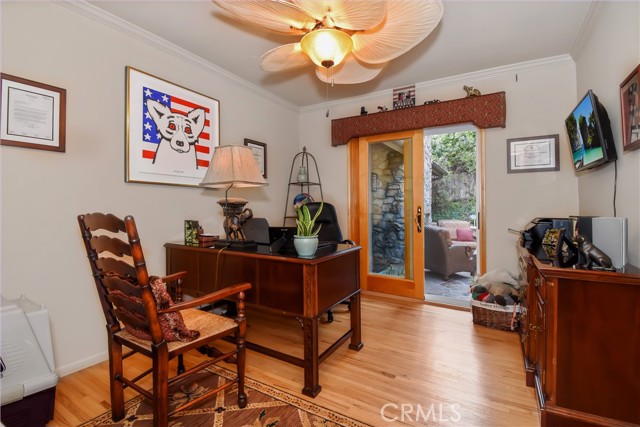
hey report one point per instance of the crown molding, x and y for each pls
(588, 23)
(553, 61)
(125, 27)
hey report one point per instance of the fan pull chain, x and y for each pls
(327, 97)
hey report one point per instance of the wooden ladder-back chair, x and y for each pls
(134, 309)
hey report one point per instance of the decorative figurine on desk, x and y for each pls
(592, 254)
(363, 111)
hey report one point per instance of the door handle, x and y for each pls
(419, 219)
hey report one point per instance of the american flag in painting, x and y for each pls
(151, 136)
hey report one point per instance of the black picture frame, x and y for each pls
(259, 150)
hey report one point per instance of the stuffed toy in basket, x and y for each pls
(496, 298)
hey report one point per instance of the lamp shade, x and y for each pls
(326, 47)
(233, 165)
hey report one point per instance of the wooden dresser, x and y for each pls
(581, 343)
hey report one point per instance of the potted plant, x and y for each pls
(306, 238)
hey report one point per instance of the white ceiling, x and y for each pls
(472, 36)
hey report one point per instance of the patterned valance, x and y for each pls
(484, 111)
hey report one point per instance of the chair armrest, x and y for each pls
(173, 277)
(207, 299)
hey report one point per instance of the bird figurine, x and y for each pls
(382, 109)
(471, 91)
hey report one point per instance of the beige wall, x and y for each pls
(611, 50)
(43, 192)
(536, 105)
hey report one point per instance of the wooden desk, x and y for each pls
(282, 284)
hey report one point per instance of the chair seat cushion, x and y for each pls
(209, 325)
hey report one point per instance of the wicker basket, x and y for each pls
(506, 318)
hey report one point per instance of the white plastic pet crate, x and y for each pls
(28, 379)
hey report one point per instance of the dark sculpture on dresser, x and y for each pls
(592, 254)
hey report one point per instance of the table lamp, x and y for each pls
(233, 166)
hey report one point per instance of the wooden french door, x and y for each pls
(386, 211)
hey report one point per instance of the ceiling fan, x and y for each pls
(349, 41)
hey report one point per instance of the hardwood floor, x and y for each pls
(429, 360)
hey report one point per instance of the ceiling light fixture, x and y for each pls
(326, 47)
(352, 38)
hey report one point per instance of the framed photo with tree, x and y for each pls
(630, 110)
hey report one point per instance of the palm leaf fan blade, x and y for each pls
(349, 71)
(275, 15)
(346, 14)
(285, 57)
(407, 24)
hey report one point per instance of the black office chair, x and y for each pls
(328, 218)
(257, 230)
(329, 232)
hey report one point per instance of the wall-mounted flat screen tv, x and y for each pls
(589, 132)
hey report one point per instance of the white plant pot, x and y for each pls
(305, 245)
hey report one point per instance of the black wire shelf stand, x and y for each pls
(303, 161)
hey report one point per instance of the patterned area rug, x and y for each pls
(268, 407)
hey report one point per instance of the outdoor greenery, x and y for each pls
(456, 153)
(448, 209)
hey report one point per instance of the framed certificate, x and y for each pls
(259, 150)
(32, 114)
(533, 154)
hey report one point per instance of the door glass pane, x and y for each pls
(451, 195)
(389, 208)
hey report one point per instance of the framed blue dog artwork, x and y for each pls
(171, 131)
